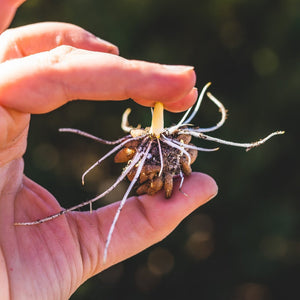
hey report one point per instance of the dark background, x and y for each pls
(244, 244)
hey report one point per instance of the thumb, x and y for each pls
(144, 221)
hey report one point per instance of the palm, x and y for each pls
(40, 256)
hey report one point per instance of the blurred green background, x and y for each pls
(244, 244)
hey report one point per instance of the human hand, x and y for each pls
(42, 67)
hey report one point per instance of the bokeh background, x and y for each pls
(244, 244)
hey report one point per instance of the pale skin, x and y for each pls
(42, 67)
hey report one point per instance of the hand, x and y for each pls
(38, 74)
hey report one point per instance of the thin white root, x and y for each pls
(223, 115)
(125, 124)
(124, 199)
(90, 136)
(198, 103)
(248, 146)
(160, 158)
(40, 221)
(195, 147)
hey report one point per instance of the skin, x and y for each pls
(43, 66)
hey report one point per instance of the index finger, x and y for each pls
(42, 82)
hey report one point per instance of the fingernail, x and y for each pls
(177, 68)
(212, 196)
(215, 193)
(114, 49)
(195, 91)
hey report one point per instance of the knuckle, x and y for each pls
(59, 54)
(7, 35)
(9, 47)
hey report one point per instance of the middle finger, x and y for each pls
(30, 39)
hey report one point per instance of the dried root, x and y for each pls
(162, 165)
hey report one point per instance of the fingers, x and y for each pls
(143, 221)
(7, 12)
(44, 81)
(30, 39)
